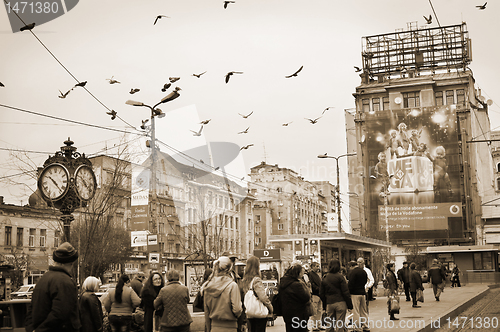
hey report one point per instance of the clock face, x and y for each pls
(54, 181)
(85, 182)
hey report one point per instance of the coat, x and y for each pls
(55, 302)
(223, 303)
(90, 312)
(130, 300)
(148, 295)
(404, 275)
(391, 279)
(136, 285)
(436, 274)
(357, 281)
(334, 289)
(294, 295)
(315, 280)
(173, 299)
(415, 281)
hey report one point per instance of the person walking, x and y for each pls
(222, 299)
(404, 277)
(357, 282)
(149, 293)
(294, 295)
(120, 304)
(136, 283)
(437, 278)
(252, 280)
(455, 277)
(369, 283)
(172, 301)
(392, 288)
(415, 284)
(90, 306)
(317, 306)
(335, 297)
(55, 297)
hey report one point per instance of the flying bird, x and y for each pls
(172, 95)
(166, 86)
(199, 75)
(313, 121)
(286, 124)
(1, 85)
(217, 168)
(32, 25)
(228, 2)
(244, 131)
(429, 20)
(81, 84)
(198, 133)
(132, 91)
(295, 74)
(63, 95)
(326, 109)
(246, 116)
(173, 79)
(143, 125)
(205, 122)
(482, 7)
(112, 113)
(231, 73)
(357, 69)
(159, 17)
(246, 147)
(111, 80)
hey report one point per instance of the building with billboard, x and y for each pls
(418, 124)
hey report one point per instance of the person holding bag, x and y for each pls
(120, 304)
(415, 285)
(149, 293)
(255, 297)
(392, 296)
(294, 295)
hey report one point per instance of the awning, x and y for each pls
(452, 249)
(337, 238)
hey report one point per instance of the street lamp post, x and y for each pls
(337, 190)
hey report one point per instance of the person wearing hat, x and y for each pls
(437, 278)
(136, 283)
(357, 282)
(404, 277)
(55, 297)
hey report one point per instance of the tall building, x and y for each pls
(418, 118)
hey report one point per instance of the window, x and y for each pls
(460, 97)
(439, 98)
(365, 105)
(257, 218)
(280, 190)
(411, 99)
(498, 167)
(220, 200)
(483, 261)
(32, 237)
(386, 103)
(43, 233)
(450, 97)
(236, 223)
(280, 202)
(210, 198)
(19, 239)
(8, 235)
(498, 186)
(258, 229)
(249, 223)
(231, 222)
(280, 227)
(258, 240)
(226, 203)
(57, 234)
(376, 104)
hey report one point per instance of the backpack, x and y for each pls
(385, 283)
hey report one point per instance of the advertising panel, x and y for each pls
(139, 219)
(414, 167)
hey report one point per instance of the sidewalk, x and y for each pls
(453, 300)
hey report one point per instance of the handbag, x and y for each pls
(198, 305)
(276, 303)
(394, 303)
(420, 295)
(138, 316)
(254, 307)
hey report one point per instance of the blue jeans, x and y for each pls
(120, 323)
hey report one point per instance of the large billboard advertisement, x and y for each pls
(414, 167)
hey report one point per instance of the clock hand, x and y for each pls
(54, 183)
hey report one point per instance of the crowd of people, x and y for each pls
(231, 303)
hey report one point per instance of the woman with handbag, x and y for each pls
(120, 304)
(149, 293)
(295, 298)
(415, 284)
(392, 295)
(252, 282)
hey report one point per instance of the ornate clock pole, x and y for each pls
(67, 182)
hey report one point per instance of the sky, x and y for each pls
(265, 39)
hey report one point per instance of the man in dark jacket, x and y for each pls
(136, 283)
(436, 277)
(357, 282)
(404, 277)
(55, 298)
(315, 281)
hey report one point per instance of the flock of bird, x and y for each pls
(175, 93)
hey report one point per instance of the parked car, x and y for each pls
(103, 289)
(424, 275)
(13, 314)
(23, 292)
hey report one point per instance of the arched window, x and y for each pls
(498, 167)
(498, 184)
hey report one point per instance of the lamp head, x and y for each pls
(134, 103)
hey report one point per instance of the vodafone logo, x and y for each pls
(454, 209)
